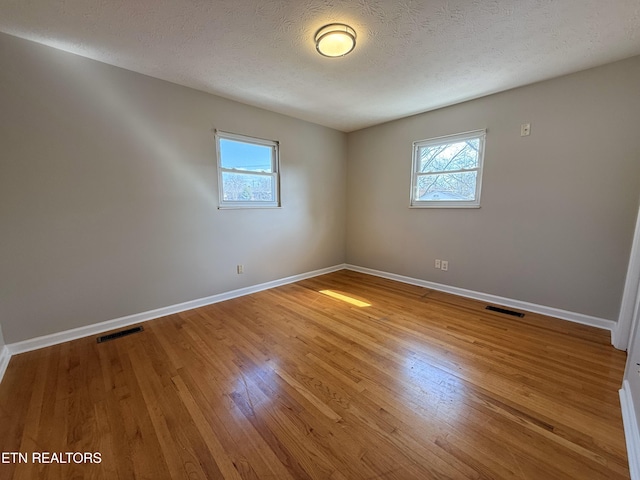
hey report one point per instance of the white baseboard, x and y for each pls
(73, 334)
(631, 432)
(616, 338)
(96, 328)
(486, 297)
(5, 356)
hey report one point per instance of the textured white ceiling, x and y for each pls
(411, 55)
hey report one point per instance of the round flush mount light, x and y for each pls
(335, 40)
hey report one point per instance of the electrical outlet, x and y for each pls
(240, 269)
(525, 129)
(437, 263)
(444, 265)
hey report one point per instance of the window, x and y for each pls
(447, 171)
(247, 171)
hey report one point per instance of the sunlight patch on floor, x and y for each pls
(345, 298)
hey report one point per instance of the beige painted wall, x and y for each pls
(108, 194)
(558, 207)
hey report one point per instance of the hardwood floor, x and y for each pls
(292, 383)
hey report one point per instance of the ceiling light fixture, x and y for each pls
(335, 40)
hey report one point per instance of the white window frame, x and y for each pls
(274, 174)
(415, 174)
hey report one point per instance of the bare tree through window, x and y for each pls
(447, 170)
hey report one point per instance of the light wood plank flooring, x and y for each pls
(300, 383)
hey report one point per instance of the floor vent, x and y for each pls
(505, 311)
(121, 333)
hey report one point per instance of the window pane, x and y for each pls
(245, 156)
(243, 187)
(447, 187)
(449, 156)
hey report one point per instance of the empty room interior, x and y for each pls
(323, 239)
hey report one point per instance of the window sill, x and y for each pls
(248, 207)
(444, 206)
